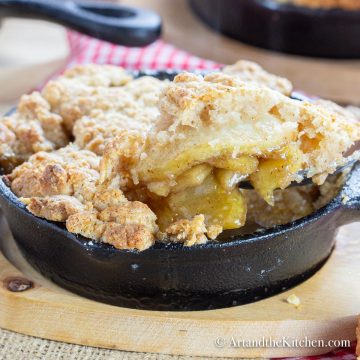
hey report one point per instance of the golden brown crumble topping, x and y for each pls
(342, 4)
(157, 159)
(128, 225)
(248, 71)
(67, 171)
(83, 88)
(192, 232)
(63, 186)
(55, 207)
(91, 104)
(32, 128)
(134, 108)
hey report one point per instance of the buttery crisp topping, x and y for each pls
(128, 225)
(32, 128)
(55, 207)
(98, 102)
(190, 232)
(327, 4)
(248, 71)
(63, 186)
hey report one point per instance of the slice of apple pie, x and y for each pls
(216, 131)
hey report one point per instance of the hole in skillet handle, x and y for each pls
(110, 22)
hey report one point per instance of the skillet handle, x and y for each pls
(349, 197)
(111, 22)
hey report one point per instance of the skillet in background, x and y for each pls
(287, 28)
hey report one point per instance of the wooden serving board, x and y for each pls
(330, 302)
(31, 51)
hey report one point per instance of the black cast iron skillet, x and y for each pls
(234, 270)
(329, 33)
(111, 22)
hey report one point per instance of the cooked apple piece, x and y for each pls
(242, 164)
(220, 207)
(276, 172)
(192, 177)
(228, 179)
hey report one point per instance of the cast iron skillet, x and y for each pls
(111, 22)
(329, 33)
(236, 269)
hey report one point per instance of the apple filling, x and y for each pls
(212, 188)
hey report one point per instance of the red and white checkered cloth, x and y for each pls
(159, 55)
(338, 354)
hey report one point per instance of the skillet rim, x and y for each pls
(232, 241)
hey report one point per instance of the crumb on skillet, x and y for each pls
(192, 232)
(120, 125)
(294, 300)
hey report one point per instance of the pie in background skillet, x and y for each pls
(315, 28)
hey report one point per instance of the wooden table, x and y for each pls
(30, 52)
